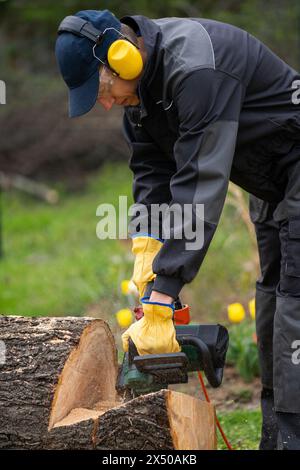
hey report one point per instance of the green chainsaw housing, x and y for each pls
(203, 348)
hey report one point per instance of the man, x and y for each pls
(211, 104)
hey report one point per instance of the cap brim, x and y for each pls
(83, 98)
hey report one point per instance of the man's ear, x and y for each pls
(129, 33)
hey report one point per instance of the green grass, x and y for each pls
(54, 264)
(242, 428)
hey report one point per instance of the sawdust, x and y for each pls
(107, 405)
(77, 415)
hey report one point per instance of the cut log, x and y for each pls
(52, 366)
(164, 420)
(57, 391)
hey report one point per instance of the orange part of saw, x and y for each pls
(181, 316)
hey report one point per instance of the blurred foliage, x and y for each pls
(242, 352)
(46, 144)
(28, 66)
(276, 22)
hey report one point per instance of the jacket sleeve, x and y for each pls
(208, 105)
(152, 172)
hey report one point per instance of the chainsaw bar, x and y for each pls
(165, 369)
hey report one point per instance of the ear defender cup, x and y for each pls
(125, 59)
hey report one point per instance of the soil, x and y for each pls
(234, 393)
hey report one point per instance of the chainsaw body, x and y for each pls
(203, 348)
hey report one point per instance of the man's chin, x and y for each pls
(135, 102)
(130, 105)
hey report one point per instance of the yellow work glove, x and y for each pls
(145, 249)
(154, 333)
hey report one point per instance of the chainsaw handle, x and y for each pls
(214, 375)
(132, 351)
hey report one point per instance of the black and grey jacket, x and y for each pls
(216, 105)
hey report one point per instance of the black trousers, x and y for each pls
(278, 314)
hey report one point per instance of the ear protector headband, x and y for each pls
(123, 57)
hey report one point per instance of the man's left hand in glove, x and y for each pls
(155, 332)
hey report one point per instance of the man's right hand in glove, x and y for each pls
(154, 333)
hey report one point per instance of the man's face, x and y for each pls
(115, 90)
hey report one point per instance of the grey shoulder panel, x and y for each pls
(186, 45)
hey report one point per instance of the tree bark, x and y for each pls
(57, 391)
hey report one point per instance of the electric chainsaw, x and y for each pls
(203, 348)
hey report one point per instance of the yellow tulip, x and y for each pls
(252, 309)
(236, 312)
(128, 287)
(124, 317)
(125, 287)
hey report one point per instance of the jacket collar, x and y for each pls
(151, 34)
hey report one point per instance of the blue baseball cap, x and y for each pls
(77, 64)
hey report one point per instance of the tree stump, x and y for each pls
(57, 391)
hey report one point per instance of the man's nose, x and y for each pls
(107, 103)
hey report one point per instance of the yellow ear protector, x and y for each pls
(123, 57)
